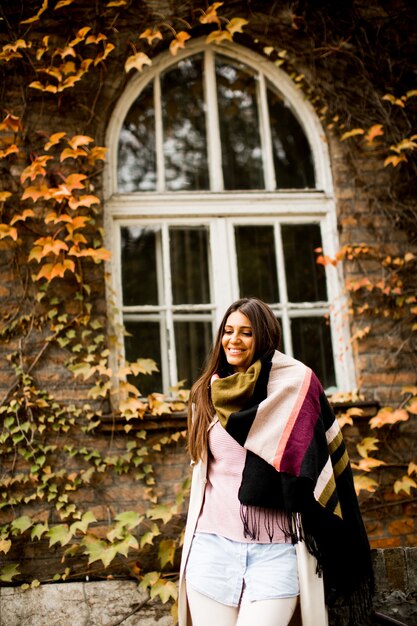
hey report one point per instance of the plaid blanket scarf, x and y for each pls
(297, 464)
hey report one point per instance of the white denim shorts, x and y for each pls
(221, 569)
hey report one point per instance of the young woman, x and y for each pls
(273, 516)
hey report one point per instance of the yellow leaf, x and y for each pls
(150, 34)
(5, 545)
(268, 50)
(352, 133)
(4, 195)
(364, 483)
(367, 464)
(236, 24)
(137, 61)
(116, 3)
(217, 36)
(210, 16)
(404, 484)
(412, 93)
(411, 405)
(178, 42)
(388, 415)
(95, 38)
(412, 468)
(8, 231)
(344, 419)
(397, 101)
(367, 445)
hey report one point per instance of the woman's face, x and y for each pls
(238, 341)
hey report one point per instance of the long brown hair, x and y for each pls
(267, 337)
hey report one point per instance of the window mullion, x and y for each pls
(159, 136)
(283, 293)
(172, 361)
(214, 151)
(265, 130)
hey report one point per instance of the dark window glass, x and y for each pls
(239, 127)
(312, 344)
(139, 267)
(144, 341)
(136, 159)
(306, 280)
(293, 160)
(256, 262)
(189, 265)
(192, 342)
(184, 126)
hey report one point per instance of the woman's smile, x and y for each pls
(238, 342)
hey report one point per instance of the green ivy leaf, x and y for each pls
(38, 530)
(129, 519)
(166, 551)
(8, 572)
(59, 534)
(20, 524)
(83, 523)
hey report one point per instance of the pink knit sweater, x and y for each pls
(220, 514)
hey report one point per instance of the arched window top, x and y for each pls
(216, 118)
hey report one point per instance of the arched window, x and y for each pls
(219, 187)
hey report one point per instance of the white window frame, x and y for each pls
(220, 208)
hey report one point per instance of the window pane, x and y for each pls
(293, 160)
(239, 127)
(144, 342)
(312, 345)
(139, 266)
(306, 280)
(136, 159)
(189, 265)
(256, 262)
(192, 341)
(184, 126)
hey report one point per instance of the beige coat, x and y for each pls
(311, 610)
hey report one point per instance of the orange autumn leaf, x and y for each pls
(53, 140)
(35, 18)
(411, 405)
(210, 16)
(394, 160)
(236, 24)
(373, 132)
(217, 36)
(86, 201)
(74, 181)
(62, 3)
(36, 168)
(4, 195)
(178, 42)
(79, 140)
(11, 122)
(57, 219)
(8, 231)
(55, 270)
(95, 39)
(98, 254)
(137, 61)
(104, 54)
(97, 153)
(387, 416)
(48, 245)
(13, 149)
(34, 192)
(150, 34)
(69, 153)
(22, 217)
(36, 84)
(352, 133)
